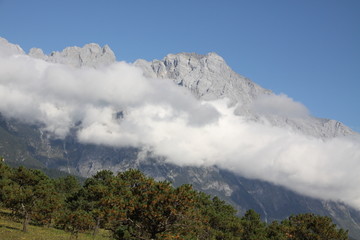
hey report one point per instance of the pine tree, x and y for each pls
(312, 227)
(30, 193)
(254, 228)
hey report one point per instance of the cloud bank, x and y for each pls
(118, 106)
(280, 105)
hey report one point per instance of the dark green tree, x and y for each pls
(219, 218)
(153, 210)
(277, 231)
(253, 227)
(47, 204)
(95, 192)
(5, 173)
(75, 221)
(30, 193)
(67, 186)
(309, 226)
(74, 217)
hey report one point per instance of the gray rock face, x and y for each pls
(7, 49)
(91, 55)
(208, 77)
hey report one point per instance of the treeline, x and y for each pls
(133, 206)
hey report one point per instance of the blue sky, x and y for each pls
(309, 50)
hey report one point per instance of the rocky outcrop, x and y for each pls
(208, 77)
(91, 55)
(7, 49)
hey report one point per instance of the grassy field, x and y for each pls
(11, 230)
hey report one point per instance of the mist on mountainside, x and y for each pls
(118, 105)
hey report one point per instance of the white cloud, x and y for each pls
(280, 105)
(166, 118)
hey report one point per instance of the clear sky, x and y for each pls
(309, 49)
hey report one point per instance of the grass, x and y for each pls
(12, 230)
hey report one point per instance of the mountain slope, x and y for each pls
(208, 78)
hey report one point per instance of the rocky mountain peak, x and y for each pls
(37, 53)
(207, 76)
(90, 55)
(7, 48)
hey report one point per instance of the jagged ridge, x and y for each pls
(208, 77)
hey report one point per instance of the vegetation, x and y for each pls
(11, 229)
(131, 206)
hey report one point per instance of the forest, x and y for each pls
(130, 205)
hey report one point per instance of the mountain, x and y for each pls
(91, 55)
(207, 77)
